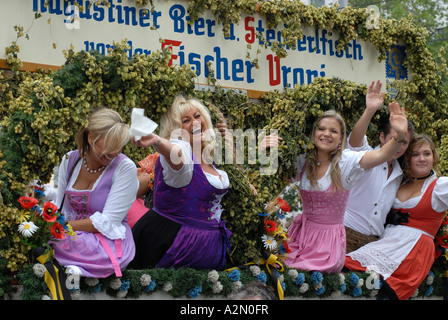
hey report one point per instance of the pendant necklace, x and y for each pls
(320, 161)
(90, 170)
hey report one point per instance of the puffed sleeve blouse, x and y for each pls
(349, 166)
(121, 196)
(439, 198)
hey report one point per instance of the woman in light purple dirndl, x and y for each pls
(184, 228)
(96, 187)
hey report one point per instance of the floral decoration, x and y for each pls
(40, 225)
(275, 240)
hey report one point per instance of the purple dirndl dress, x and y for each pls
(94, 254)
(179, 230)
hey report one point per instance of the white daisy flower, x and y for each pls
(269, 242)
(27, 228)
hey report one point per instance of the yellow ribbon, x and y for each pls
(272, 261)
(269, 261)
(53, 277)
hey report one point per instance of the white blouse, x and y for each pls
(121, 196)
(439, 199)
(182, 177)
(351, 171)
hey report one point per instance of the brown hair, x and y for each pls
(416, 142)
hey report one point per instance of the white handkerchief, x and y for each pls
(140, 125)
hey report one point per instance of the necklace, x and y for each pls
(425, 177)
(320, 161)
(90, 170)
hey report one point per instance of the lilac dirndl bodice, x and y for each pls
(93, 253)
(202, 240)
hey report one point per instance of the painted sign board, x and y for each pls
(101, 23)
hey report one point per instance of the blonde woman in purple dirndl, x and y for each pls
(96, 187)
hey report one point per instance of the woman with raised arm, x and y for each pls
(184, 227)
(404, 254)
(317, 235)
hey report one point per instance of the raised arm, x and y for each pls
(374, 101)
(171, 152)
(399, 123)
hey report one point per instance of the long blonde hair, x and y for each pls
(171, 121)
(335, 172)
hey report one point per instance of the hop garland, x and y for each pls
(41, 112)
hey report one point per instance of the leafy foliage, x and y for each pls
(41, 112)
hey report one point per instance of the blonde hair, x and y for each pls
(103, 123)
(416, 142)
(171, 121)
(335, 172)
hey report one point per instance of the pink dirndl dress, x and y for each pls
(95, 255)
(317, 235)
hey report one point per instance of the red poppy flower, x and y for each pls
(27, 202)
(287, 249)
(442, 241)
(283, 205)
(270, 226)
(57, 230)
(50, 210)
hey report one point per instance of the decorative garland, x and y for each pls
(192, 283)
(41, 112)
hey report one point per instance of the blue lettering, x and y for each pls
(322, 73)
(54, 7)
(357, 51)
(310, 44)
(210, 24)
(323, 40)
(217, 51)
(310, 74)
(98, 13)
(181, 56)
(111, 12)
(231, 35)
(177, 13)
(130, 14)
(301, 44)
(297, 71)
(286, 70)
(347, 54)
(249, 66)
(144, 16)
(195, 63)
(237, 67)
(270, 34)
(155, 15)
(260, 30)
